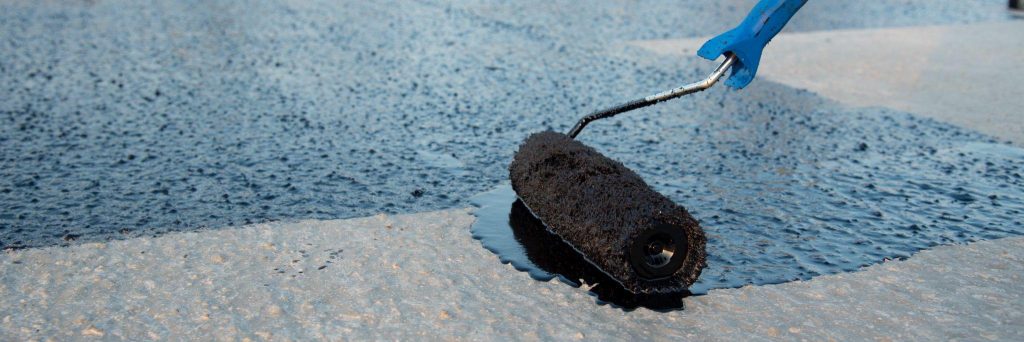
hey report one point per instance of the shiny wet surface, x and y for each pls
(122, 119)
(507, 227)
(786, 196)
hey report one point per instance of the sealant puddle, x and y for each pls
(815, 204)
(508, 229)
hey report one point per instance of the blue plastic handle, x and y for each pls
(747, 40)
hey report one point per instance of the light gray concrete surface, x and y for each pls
(968, 75)
(422, 276)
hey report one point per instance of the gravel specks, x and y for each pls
(123, 119)
(446, 290)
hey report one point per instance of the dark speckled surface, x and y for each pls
(123, 118)
(788, 195)
(608, 213)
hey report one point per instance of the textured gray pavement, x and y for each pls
(135, 122)
(968, 75)
(421, 276)
(125, 118)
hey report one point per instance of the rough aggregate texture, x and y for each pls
(601, 208)
(411, 277)
(598, 22)
(122, 119)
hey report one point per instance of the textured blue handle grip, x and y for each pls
(747, 40)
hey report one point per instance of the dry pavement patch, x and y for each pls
(968, 75)
(422, 276)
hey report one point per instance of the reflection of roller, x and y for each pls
(550, 253)
(617, 222)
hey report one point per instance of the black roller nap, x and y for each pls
(553, 255)
(608, 213)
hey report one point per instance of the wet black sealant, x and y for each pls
(855, 188)
(608, 213)
(508, 228)
(122, 119)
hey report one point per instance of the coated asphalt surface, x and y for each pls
(127, 119)
(124, 119)
(183, 119)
